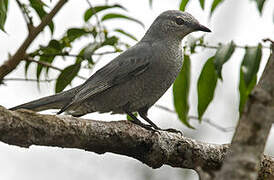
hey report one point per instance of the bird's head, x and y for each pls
(174, 23)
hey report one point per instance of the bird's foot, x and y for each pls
(145, 126)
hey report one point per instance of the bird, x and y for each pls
(135, 79)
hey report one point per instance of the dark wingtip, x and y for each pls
(63, 109)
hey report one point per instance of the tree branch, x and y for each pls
(217, 126)
(25, 128)
(12, 62)
(28, 58)
(28, 80)
(252, 130)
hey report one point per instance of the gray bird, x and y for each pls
(133, 81)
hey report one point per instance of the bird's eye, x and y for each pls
(179, 21)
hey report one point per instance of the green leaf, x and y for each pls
(66, 76)
(27, 63)
(273, 17)
(222, 55)
(150, 3)
(75, 33)
(245, 90)
(248, 73)
(120, 16)
(46, 59)
(183, 5)
(126, 34)
(202, 4)
(129, 118)
(260, 5)
(38, 6)
(251, 63)
(87, 52)
(90, 12)
(3, 13)
(110, 41)
(206, 86)
(214, 5)
(55, 45)
(181, 91)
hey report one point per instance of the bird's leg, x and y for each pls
(143, 114)
(138, 122)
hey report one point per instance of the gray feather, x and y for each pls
(56, 101)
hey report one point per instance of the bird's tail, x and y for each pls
(56, 101)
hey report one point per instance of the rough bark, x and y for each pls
(25, 128)
(248, 143)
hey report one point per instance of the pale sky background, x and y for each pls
(234, 19)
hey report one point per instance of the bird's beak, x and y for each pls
(202, 28)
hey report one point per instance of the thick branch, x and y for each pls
(25, 128)
(248, 143)
(12, 63)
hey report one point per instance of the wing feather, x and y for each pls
(121, 69)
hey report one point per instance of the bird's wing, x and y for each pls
(126, 66)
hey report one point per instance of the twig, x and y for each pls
(217, 126)
(228, 129)
(237, 46)
(27, 58)
(64, 54)
(97, 20)
(268, 40)
(26, 16)
(13, 61)
(28, 80)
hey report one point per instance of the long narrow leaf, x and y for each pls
(66, 76)
(245, 90)
(90, 12)
(206, 86)
(222, 55)
(74, 33)
(251, 63)
(3, 13)
(126, 34)
(183, 5)
(38, 7)
(214, 4)
(150, 3)
(181, 92)
(202, 4)
(248, 73)
(260, 5)
(120, 16)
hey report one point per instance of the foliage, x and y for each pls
(3, 13)
(248, 73)
(206, 86)
(181, 91)
(216, 3)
